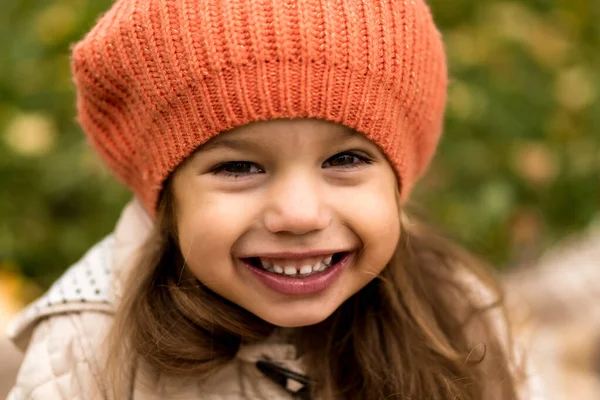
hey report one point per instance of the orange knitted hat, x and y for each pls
(156, 79)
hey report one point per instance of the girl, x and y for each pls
(271, 146)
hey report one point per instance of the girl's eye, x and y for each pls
(346, 160)
(237, 168)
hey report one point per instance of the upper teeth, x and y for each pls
(305, 269)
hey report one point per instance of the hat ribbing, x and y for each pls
(155, 79)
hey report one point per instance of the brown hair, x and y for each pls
(420, 330)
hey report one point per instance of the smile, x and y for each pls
(295, 267)
(292, 276)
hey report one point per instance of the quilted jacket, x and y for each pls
(62, 334)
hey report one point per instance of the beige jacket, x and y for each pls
(63, 333)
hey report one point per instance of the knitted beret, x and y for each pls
(155, 79)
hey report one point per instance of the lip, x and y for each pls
(312, 284)
(293, 255)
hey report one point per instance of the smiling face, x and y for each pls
(287, 218)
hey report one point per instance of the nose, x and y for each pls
(296, 205)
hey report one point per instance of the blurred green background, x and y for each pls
(517, 170)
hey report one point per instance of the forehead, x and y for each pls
(288, 131)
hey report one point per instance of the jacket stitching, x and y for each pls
(91, 366)
(49, 324)
(51, 379)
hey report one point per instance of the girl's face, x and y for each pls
(287, 218)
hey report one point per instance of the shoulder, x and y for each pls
(487, 296)
(62, 331)
(61, 360)
(93, 283)
(85, 286)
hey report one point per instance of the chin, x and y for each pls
(289, 319)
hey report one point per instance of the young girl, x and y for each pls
(271, 146)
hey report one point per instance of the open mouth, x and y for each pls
(296, 268)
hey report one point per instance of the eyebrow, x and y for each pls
(248, 144)
(232, 143)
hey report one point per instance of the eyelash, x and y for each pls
(361, 159)
(221, 169)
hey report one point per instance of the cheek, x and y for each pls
(208, 226)
(375, 217)
(379, 228)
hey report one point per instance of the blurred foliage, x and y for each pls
(518, 167)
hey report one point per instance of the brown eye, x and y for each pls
(237, 168)
(346, 160)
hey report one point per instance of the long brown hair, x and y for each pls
(421, 330)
